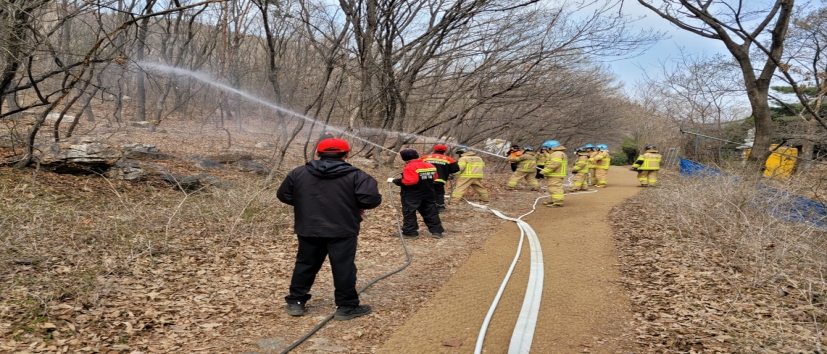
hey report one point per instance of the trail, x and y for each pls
(584, 307)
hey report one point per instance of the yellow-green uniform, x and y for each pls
(555, 172)
(526, 167)
(647, 166)
(592, 172)
(580, 172)
(542, 157)
(470, 175)
(599, 162)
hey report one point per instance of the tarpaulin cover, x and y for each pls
(784, 206)
(692, 168)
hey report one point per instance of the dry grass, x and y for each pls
(713, 266)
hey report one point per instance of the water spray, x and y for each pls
(211, 81)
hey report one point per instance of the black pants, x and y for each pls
(426, 206)
(309, 259)
(439, 191)
(539, 175)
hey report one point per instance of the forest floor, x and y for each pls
(89, 264)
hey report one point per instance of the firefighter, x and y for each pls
(417, 194)
(512, 153)
(542, 156)
(600, 161)
(592, 180)
(469, 175)
(328, 196)
(555, 172)
(647, 166)
(445, 167)
(526, 167)
(580, 170)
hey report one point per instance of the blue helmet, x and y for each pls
(528, 148)
(603, 147)
(588, 146)
(551, 144)
(461, 150)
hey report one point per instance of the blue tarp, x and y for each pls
(785, 206)
(692, 168)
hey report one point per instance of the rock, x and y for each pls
(204, 163)
(140, 151)
(265, 145)
(143, 124)
(54, 116)
(126, 172)
(251, 166)
(197, 182)
(271, 344)
(81, 155)
(231, 158)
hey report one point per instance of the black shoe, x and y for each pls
(346, 313)
(295, 309)
(436, 234)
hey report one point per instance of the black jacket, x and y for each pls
(328, 196)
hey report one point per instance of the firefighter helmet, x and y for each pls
(528, 148)
(651, 147)
(551, 144)
(603, 147)
(461, 150)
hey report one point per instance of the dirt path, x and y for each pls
(584, 307)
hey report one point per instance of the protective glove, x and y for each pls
(390, 180)
(633, 169)
(397, 181)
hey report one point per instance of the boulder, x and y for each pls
(251, 166)
(140, 151)
(127, 172)
(196, 182)
(80, 155)
(54, 116)
(143, 124)
(231, 158)
(204, 163)
(265, 145)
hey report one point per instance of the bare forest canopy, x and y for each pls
(465, 71)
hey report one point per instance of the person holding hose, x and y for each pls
(600, 161)
(445, 167)
(526, 168)
(512, 153)
(555, 172)
(328, 196)
(469, 175)
(647, 166)
(580, 170)
(417, 194)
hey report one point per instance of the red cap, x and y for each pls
(440, 148)
(333, 145)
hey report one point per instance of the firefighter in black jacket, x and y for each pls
(445, 166)
(417, 194)
(328, 196)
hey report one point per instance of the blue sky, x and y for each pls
(631, 70)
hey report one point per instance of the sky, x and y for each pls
(631, 70)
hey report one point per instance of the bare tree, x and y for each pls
(740, 26)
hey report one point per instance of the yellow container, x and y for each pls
(781, 162)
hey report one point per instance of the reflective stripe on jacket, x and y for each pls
(526, 162)
(445, 165)
(600, 159)
(650, 161)
(470, 165)
(556, 164)
(581, 165)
